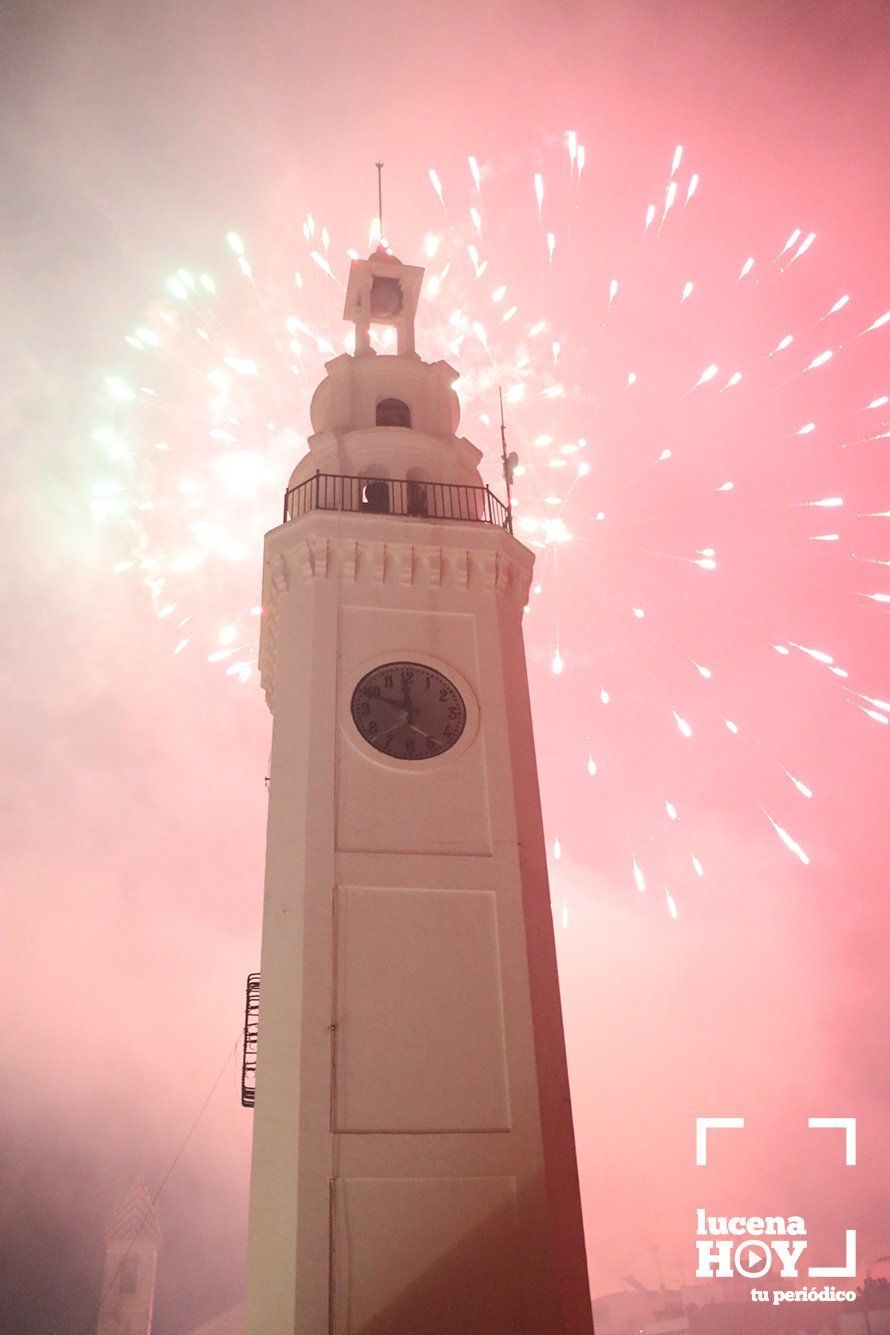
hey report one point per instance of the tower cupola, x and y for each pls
(387, 415)
(383, 291)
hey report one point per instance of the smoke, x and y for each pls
(133, 139)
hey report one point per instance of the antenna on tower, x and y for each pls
(509, 461)
(379, 166)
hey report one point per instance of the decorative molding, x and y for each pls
(304, 556)
(323, 549)
(376, 559)
(278, 574)
(407, 564)
(317, 558)
(488, 569)
(268, 647)
(434, 566)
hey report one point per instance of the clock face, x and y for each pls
(408, 711)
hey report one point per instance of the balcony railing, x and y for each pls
(251, 1038)
(396, 496)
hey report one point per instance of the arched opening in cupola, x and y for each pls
(393, 412)
(418, 492)
(375, 490)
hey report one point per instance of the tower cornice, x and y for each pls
(461, 560)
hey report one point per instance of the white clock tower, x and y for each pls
(413, 1157)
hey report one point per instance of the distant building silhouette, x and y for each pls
(131, 1259)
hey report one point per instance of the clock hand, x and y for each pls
(393, 704)
(398, 724)
(410, 711)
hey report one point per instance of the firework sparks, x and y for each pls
(208, 417)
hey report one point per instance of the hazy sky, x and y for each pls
(134, 137)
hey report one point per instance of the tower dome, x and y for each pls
(387, 415)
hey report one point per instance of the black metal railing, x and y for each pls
(396, 496)
(251, 1038)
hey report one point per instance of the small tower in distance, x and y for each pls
(131, 1260)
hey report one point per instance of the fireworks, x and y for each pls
(681, 447)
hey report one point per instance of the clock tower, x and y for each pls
(131, 1262)
(413, 1158)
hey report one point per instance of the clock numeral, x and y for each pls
(372, 729)
(388, 681)
(410, 746)
(443, 694)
